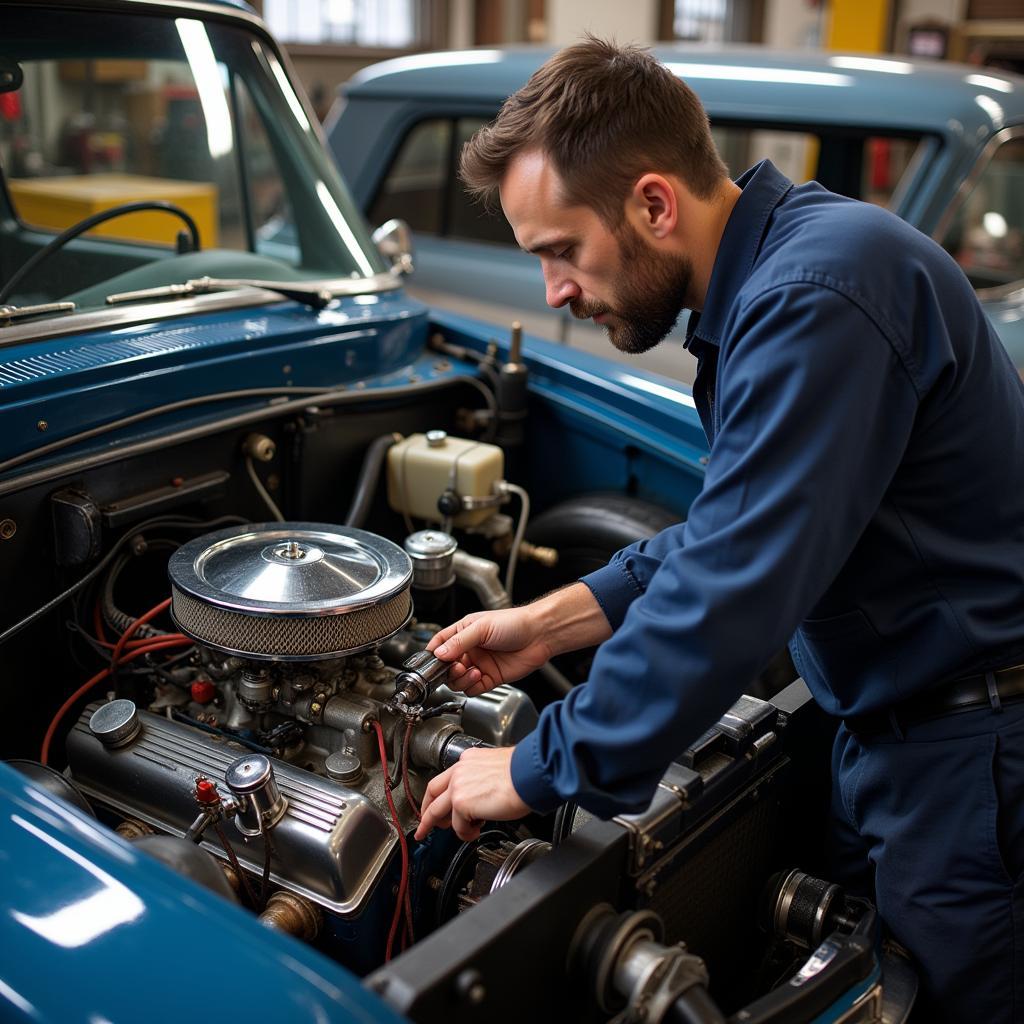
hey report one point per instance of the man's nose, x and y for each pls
(559, 289)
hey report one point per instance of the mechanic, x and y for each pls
(864, 502)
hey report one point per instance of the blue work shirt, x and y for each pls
(864, 499)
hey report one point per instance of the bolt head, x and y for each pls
(470, 986)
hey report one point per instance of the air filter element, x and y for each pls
(290, 591)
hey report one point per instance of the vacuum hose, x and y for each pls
(369, 474)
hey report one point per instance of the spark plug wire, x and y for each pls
(402, 901)
(164, 643)
(171, 640)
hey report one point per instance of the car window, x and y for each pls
(92, 131)
(850, 162)
(986, 235)
(271, 217)
(414, 186)
(199, 115)
(469, 219)
(423, 188)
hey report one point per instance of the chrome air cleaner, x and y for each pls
(290, 591)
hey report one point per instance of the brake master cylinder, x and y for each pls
(433, 476)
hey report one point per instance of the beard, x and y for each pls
(653, 291)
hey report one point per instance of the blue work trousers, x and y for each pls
(929, 822)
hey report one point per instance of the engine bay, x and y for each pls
(267, 730)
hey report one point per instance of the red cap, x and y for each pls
(203, 691)
(206, 792)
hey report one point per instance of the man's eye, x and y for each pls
(564, 254)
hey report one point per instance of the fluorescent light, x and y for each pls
(203, 64)
(988, 82)
(789, 76)
(886, 67)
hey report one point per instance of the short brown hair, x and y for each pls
(605, 115)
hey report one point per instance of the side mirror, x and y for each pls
(394, 242)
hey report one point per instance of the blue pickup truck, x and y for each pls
(243, 475)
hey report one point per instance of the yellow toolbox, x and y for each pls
(57, 203)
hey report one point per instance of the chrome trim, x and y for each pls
(317, 298)
(979, 168)
(171, 307)
(914, 176)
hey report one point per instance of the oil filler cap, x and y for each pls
(115, 724)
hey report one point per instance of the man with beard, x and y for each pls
(863, 502)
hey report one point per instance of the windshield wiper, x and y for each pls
(316, 298)
(8, 314)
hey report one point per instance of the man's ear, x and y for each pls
(654, 206)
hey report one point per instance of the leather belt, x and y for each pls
(989, 689)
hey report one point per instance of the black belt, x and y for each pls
(990, 689)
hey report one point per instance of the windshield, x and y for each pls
(117, 108)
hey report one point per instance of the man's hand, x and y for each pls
(476, 789)
(491, 648)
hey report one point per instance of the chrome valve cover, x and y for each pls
(331, 844)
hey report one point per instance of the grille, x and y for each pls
(317, 636)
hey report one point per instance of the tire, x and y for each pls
(586, 531)
(589, 529)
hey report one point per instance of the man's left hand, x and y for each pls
(476, 789)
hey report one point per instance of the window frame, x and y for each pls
(967, 186)
(449, 176)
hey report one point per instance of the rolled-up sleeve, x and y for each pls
(818, 407)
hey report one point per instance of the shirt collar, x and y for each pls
(763, 188)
